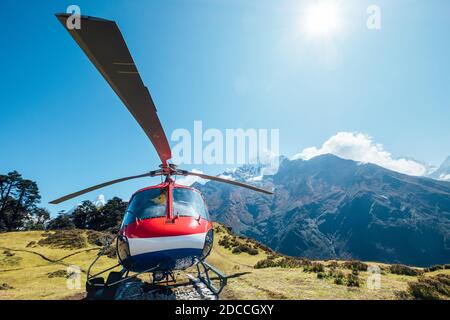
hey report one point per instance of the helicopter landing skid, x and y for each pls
(97, 288)
(204, 276)
(120, 282)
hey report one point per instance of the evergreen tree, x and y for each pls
(112, 214)
(18, 200)
(84, 215)
(62, 222)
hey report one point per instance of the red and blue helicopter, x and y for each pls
(166, 227)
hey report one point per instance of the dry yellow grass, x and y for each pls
(28, 273)
(282, 283)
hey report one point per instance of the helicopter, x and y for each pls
(166, 227)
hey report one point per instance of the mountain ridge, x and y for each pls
(328, 207)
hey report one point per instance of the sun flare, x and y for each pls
(322, 19)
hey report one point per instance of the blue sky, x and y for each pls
(231, 64)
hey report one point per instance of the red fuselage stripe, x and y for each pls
(162, 227)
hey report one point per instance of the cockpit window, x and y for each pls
(151, 203)
(188, 203)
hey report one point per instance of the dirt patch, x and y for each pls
(9, 253)
(9, 259)
(79, 296)
(5, 286)
(58, 274)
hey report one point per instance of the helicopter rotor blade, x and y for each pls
(103, 43)
(233, 182)
(102, 185)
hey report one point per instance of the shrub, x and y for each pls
(98, 238)
(333, 265)
(339, 281)
(58, 274)
(339, 277)
(438, 267)
(228, 242)
(245, 248)
(266, 263)
(431, 288)
(290, 263)
(356, 265)
(322, 275)
(31, 244)
(286, 262)
(404, 270)
(352, 280)
(263, 247)
(64, 239)
(314, 267)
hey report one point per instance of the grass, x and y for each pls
(284, 282)
(39, 271)
(32, 276)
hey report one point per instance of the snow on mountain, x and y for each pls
(254, 172)
(100, 201)
(443, 172)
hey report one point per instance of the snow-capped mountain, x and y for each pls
(254, 172)
(443, 172)
(328, 207)
(99, 202)
(439, 173)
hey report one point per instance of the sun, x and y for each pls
(322, 19)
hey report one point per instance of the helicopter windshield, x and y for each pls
(147, 204)
(188, 203)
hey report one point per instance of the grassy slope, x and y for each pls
(282, 283)
(28, 275)
(28, 272)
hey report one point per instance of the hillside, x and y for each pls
(331, 208)
(34, 269)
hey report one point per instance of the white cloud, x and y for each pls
(190, 180)
(360, 147)
(444, 177)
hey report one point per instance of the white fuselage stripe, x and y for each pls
(147, 245)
